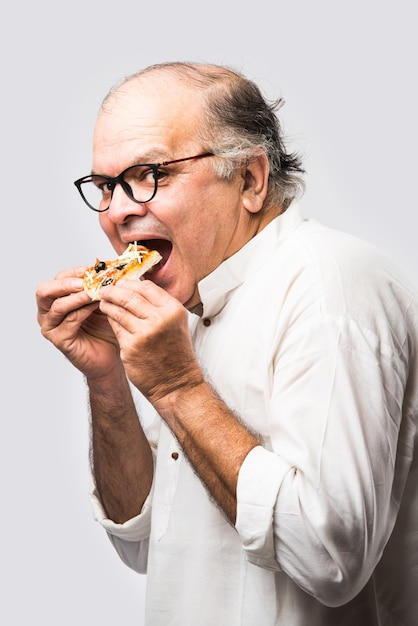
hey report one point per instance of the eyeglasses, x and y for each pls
(139, 182)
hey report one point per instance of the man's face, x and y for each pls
(195, 220)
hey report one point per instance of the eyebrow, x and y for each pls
(151, 158)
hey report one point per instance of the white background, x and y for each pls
(348, 73)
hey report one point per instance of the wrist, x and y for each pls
(107, 384)
(167, 398)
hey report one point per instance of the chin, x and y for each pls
(186, 298)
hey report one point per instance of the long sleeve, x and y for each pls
(330, 485)
(131, 539)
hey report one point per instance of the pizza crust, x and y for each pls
(131, 265)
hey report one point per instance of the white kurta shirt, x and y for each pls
(310, 336)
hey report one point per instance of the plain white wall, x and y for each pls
(348, 74)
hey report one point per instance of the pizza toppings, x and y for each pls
(135, 261)
(101, 265)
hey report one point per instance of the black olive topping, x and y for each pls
(101, 265)
(107, 281)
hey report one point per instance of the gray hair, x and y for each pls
(239, 123)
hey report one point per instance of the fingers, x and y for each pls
(142, 313)
(146, 289)
(65, 283)
(130, 301)
(74, 324)
(61, 298)
(78, 271)
(152, 331)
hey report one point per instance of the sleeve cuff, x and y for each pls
(135, 529)
(259, 481)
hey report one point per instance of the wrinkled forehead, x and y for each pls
(150, 109)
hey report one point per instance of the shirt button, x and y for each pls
(175, 455)
(206, 321)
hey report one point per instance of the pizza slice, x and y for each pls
(131, 265)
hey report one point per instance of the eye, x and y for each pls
(139, 174)
(103, 184)
(162, 175)
(150, 175)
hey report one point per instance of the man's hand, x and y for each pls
(75, 325)
(152, 330)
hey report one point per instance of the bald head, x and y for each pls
(145, 108)
(233, 119)
(197, 77)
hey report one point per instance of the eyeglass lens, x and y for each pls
(139, 183)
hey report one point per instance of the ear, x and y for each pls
(255, 177)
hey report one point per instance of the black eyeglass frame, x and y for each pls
(119, 180)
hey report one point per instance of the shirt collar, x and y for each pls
(216, 288)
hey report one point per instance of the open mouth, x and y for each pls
(163, 246)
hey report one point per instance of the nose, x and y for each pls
(122, 206)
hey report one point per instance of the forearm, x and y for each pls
(212, 438)
(121, 455)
